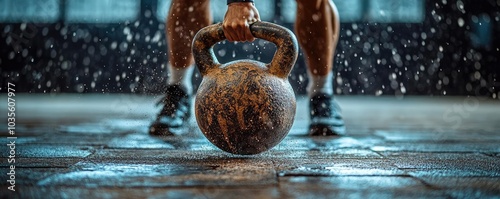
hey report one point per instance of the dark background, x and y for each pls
(436, 57)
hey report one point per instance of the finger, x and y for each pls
(239, 31)
(228, 32)
(248, 35)
(227, 35)
(256, 16)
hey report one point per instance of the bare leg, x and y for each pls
(317, 27)
(184, 19)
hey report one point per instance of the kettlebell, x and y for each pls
(245, 107)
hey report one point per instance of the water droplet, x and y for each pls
(315, 17)
(460, 6)
(114, 44)
(460, 22)
(123, 46)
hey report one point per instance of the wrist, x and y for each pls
(239, 1)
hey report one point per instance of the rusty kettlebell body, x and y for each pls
(245, 107)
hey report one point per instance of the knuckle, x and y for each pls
(235, 26)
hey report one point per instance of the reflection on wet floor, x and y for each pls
(398, 147)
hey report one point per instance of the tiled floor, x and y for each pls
(96, 146)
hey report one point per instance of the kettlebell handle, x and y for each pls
(285, 41)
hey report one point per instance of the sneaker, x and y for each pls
(175, 113)
(326, 119)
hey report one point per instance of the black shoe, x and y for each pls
(326, 118)
(175, 113)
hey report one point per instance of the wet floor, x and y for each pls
(97, 146)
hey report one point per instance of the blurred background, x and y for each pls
(387, 47)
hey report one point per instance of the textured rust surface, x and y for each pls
(245, 107)
(242, 109)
